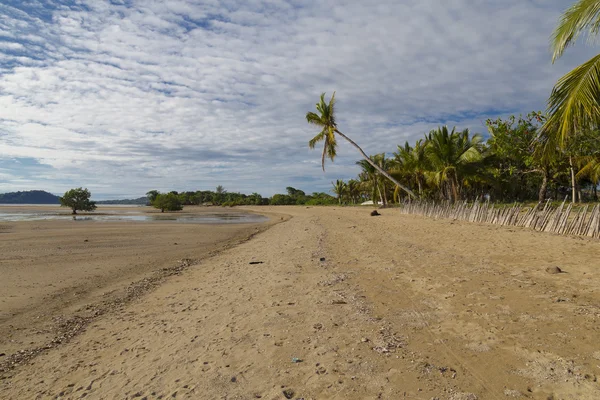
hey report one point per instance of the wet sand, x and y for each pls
(51, 269)
(335, 304)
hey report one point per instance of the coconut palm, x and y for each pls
(370, 179)
(450, 153)
(353, 190)
(574, 101)
(339, 188)
(591, 169)
(413, 162)
(385, 164)
(371, 175)
(325, 119)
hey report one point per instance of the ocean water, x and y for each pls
(212, 218)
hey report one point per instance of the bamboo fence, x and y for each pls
(560, 220)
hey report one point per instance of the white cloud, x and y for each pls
(191, 94)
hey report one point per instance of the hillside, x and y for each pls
(29, 197)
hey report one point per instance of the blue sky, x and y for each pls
(124, 96)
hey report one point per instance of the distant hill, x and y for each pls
(142, 201)
(29, 197)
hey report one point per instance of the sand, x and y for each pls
(329, 304)
(51, 269)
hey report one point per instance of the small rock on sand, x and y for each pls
(374, 213)
(553, 270)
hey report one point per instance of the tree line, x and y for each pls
(78, 199)
(174, 201)
(516, 163)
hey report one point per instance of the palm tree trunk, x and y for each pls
(452, 185)
(544, 187)
(573, 185)
(455, 188)
(385, 200)
(381, 171)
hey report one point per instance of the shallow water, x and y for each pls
(216, 218)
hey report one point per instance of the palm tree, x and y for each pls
(353, 190)
(370, 179)
(325, 119)
(591, 170)
(450, 153)
(385, 165)
(339, 188)
(413, 161)
(574, 101)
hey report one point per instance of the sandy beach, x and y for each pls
(319, 303)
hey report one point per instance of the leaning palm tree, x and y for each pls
(339, 188)
(574, 101)
(325, 119)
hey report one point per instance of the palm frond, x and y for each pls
(314, 119)
(591, 169)
(313, 142)
(581, 16)
(331, 109)
(574, 102)
(471, 155)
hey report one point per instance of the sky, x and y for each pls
(125, 96)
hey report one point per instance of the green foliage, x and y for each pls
(151, 195)
(167, 202)
(519, 162)
(321, 199)
(294, 192)
(282, 200)
(325, 119)
(218, 197)
(516, 156)
(573, 103)
(77, 200)
(340, 189)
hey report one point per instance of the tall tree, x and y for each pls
(450, 153)
(325, 119)
(353, 188)
(370, 179)
(77, 199)
(574, 101)
(413, 162)
(339, 188)
(520, 152)
(167, 201)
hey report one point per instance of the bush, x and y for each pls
(77, 199)
(169, 202)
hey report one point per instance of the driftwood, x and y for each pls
(560, 220)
